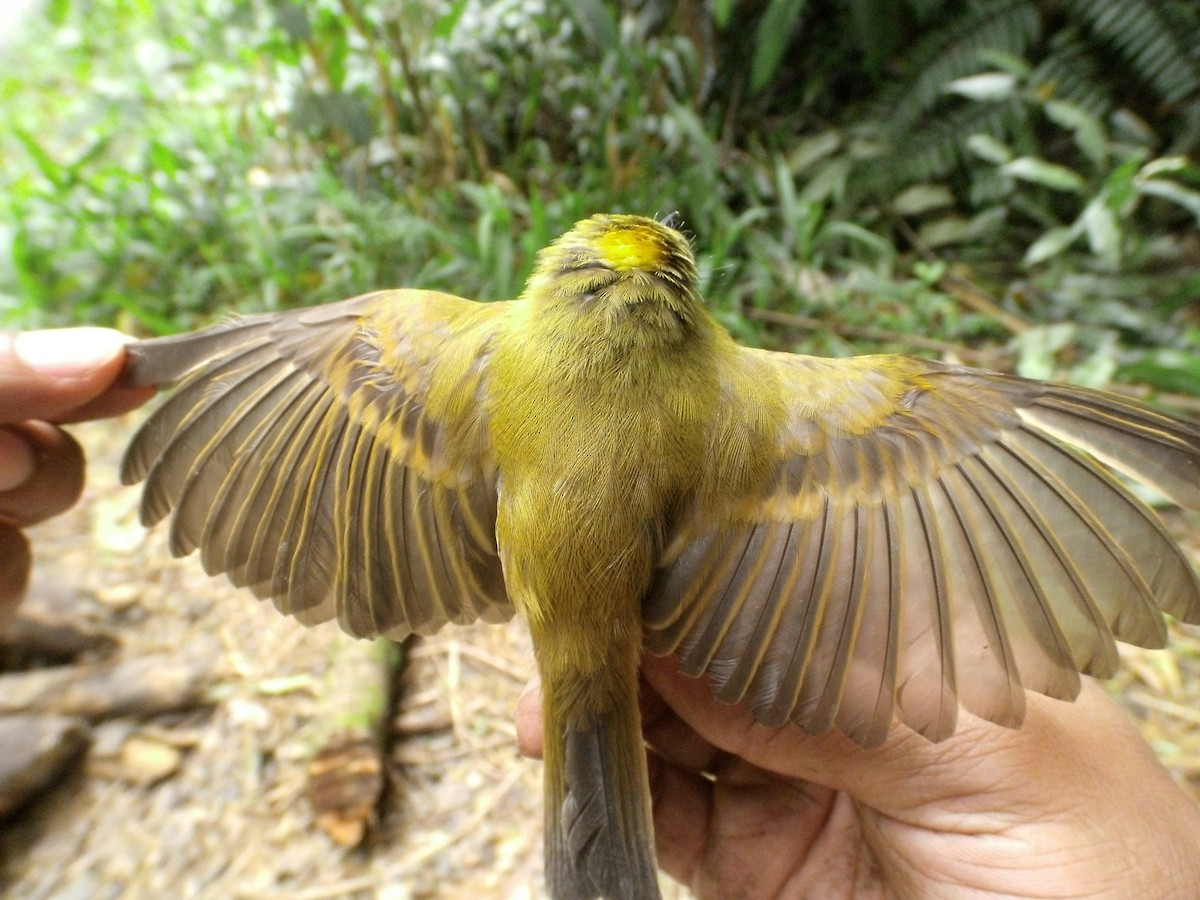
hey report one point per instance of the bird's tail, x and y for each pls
(599, 831)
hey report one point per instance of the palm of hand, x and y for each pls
(1074, 802)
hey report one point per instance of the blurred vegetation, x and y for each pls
(1013, 176)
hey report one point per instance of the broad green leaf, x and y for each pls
(722, 11)
(164, 159)
(1036, 348)
(1120, 187)
(807, 151)
(945, 231)
(1103, 231)
(1047, 174)
(856, 234)
(1101, 364)
(1173, 191)
(1166, 369)
(775, 30)
(829, 180)
(1050, 244)
(1086, 128)
(922, 197)
(444, 26)
(1164, 165)
(56, 174)
(57, 10)
(986, 86)
(989, 149)
(330, 34)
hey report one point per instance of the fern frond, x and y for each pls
(1138, 32)
(965, 45)
(937, 148)
(1070, 71)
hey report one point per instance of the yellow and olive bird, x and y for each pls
(836, 543)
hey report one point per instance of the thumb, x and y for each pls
(60, 375)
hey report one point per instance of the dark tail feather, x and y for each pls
(599, 831)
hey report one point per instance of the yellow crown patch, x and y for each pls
(632, 246)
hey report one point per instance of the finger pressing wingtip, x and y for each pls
(52, 374)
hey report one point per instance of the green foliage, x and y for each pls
(841, 161)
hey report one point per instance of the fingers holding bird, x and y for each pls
(42, 468)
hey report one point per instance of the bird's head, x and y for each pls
(630, 270)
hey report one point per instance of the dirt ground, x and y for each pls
(462, 813)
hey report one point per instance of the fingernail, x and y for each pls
(16, 460)
(67, 352)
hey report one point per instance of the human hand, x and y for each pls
(48, 378)
(1073, 803)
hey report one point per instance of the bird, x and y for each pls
(861, 544)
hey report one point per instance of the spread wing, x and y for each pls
(932, 536)
(333, 459)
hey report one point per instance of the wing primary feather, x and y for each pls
(826, 677)
(926, 694)
(238, 414)
(1146, 556)
(483, 537)
(244, 514)
(468, 565)
(704, 644)
(247, 465)
(180, 445)
(670, 609)
(421, 552)
(446, 573)
(779, 631)
(485, 578)
(988, 678)
(1058, 613)
(462, 582)
(706, 600)
(1132, 439)
(313, 550)
(277, 497)
(161, 361)
(352, 511)
(675, 585)
(1058, 543)
(867, 704)
(1044, 664)
(417, 611)
(762, 615)
(162, 428)
(801, 628)
(851, 683)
